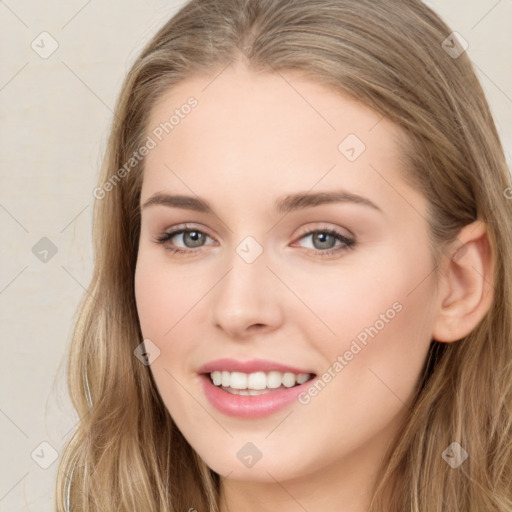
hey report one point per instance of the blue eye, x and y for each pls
(194, 236)
(324, 240)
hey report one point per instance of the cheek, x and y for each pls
(149, 295)
(380, 299)
(164, 295)
(383, 324)
(380, 314)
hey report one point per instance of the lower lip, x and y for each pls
(246, 406)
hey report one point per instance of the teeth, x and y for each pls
(247, 392)
(238, 380)
(274, 380)
(257, 382)
(302, 377)
(289, 380)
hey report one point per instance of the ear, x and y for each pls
(467, 284)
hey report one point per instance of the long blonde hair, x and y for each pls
(126, 453)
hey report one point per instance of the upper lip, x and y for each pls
(250, 366)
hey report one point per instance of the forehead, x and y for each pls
(254, 132)
(266, 105)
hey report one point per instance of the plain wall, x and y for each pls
(55, 114)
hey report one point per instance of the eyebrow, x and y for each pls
(283, 205)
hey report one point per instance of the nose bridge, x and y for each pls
(246, 296)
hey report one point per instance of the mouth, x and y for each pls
(252, 389)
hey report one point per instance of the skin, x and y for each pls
(252, 139)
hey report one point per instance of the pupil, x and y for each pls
(322, 237)
(195, 236)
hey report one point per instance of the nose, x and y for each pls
(246, 300)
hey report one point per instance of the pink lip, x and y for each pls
(254, 365)
(245, 406)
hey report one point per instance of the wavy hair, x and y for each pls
(126, 453)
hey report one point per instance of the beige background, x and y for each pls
(55, 114)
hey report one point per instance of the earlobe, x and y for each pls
(468, 284)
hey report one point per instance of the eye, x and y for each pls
(324, 240)
(192, 238)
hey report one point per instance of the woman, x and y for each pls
(301, 297)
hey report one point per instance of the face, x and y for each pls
(293, 324)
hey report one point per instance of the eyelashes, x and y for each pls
(346, 243)
(165, 238)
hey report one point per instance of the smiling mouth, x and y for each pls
(257, 383)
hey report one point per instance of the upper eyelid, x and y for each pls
(180, 228)
(193, 227)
